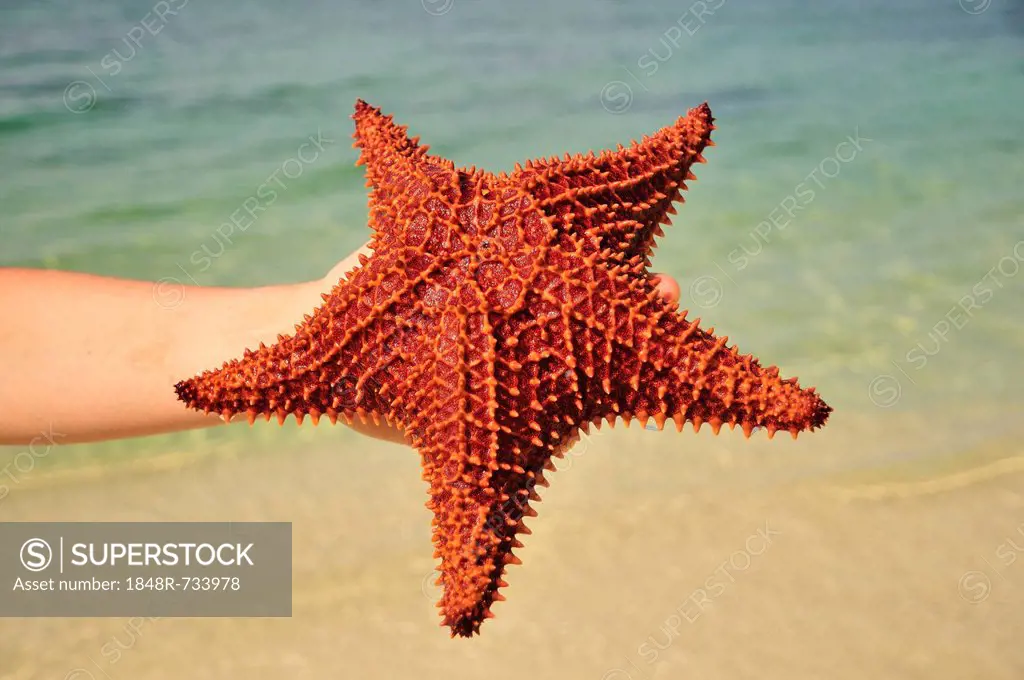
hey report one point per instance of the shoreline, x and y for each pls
(620, 574)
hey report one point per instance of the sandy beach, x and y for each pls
(654, 563)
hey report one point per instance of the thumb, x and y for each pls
(667, 287)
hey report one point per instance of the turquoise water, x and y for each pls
(867, 176)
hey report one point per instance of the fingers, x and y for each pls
(667, 287)
(346, 265)
(382, 431)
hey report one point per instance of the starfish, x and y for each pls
(498, 317)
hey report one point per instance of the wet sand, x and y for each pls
(638, 567)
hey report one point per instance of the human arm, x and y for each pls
(94, 358)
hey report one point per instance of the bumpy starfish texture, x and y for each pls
(500, 316)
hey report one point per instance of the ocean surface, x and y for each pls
(860, 222)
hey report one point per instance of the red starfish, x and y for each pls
(498, 317)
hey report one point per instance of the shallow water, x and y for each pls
(859, 224)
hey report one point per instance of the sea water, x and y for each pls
(860, 222)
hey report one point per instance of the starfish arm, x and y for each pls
(478, 426)
(411, 191)
(340, 361)
(525, 406)
(622, 197)
(454, 427)
(377, 134)
(661, 365)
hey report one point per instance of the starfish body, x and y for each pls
(498, 318)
